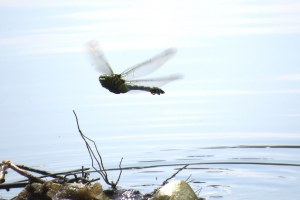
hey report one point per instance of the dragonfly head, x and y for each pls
(105, 79)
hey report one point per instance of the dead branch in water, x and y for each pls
(101, 169)
(31, 177)
(166, 181)
(60, 177)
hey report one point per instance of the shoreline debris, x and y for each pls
(63, 187)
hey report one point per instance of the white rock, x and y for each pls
(175, 190)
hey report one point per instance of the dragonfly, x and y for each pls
(126, 81)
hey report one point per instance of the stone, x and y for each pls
(73, 191)
(175, 190)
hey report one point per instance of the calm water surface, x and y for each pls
(234, 117)
(265, 166)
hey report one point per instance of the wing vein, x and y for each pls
(148, 66)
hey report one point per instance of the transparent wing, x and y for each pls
(98, 57)
(148, 66)
(155, 82)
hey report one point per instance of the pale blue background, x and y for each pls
(241, 87)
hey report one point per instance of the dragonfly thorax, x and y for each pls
(113, 83)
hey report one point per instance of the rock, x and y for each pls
(175, 190)
(51, 190)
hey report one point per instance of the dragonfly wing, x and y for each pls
(155, 82)
(148, 66)
(98, 57)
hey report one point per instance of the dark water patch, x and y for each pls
(198, 182)
(151, 171)
(170, 149)
(215, 171)
(202, 156)
(152, 161)
(208, 168)
(251, 158)
(145, 185)
(252, 146)
(214, 186)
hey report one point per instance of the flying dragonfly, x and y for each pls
(125, 82)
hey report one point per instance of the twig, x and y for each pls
(57, 175)
(93, 180)
(3, 171)
(101, 169)
(92, 155)
(23, 173)
(45, 173)
(8, 186)
(120, 171)
(82, 173)
(198, 191)
(166, 181)
(188, 178)
(191, 180)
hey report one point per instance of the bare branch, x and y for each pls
(188, 178)
(198, 191)
(45, 173)
(23, 172)
(101, 169)
(120, 171)
(166, 181)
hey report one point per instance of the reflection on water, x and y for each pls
(270, 175)
(230, 172)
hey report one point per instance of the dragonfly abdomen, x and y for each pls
(152, 90)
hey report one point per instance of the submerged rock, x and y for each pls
(50, 190)
(175, 190)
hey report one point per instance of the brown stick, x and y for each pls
(3, 171)
(23, 172)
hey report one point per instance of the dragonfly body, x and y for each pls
(116, 85)
(125, 82)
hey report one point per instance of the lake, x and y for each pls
(234, 117)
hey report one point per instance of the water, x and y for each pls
(234, 118)
(230, 172)
(163, 133)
